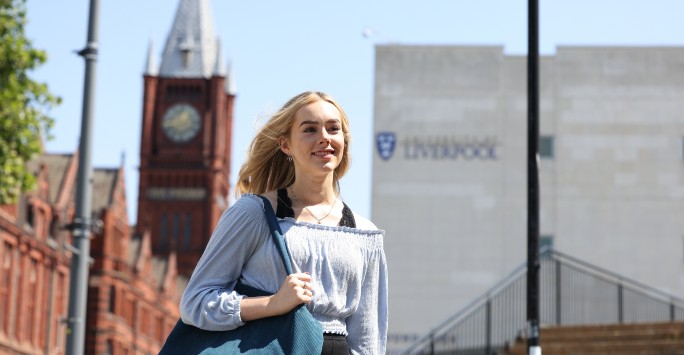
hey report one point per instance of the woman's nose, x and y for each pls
(325, 136)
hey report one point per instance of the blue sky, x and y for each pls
(280, 48)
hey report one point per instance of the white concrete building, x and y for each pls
(449, 169)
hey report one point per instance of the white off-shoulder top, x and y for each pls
(347, 266)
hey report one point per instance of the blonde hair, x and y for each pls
(267, 167)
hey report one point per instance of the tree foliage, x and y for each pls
(24, 102)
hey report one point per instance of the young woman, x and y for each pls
(296, 161)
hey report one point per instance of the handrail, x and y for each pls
(593, 267)
(546, 254)
(470, 307)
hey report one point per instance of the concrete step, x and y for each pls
(642, 338)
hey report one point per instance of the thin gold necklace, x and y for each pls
(311, 213)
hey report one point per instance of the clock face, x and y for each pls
(181, 123)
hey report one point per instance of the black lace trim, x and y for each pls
(284, 209)
(347, 219)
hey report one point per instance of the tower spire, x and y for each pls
(190, 49)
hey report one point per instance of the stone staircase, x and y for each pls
(628, 339)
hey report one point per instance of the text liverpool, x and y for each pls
(449, 148)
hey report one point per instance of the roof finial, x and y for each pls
(151, 65)
(230, 80)
(220, 66)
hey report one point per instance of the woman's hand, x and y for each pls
(295, 290)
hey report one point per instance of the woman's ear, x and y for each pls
(284, 145)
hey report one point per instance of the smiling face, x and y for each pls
(316, 139)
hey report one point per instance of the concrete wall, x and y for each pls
(452, 194)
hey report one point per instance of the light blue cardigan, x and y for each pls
(347, 266)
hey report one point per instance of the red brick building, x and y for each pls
(138, 272)
(34, 262)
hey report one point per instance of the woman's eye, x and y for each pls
(334, 129)
(309, 129)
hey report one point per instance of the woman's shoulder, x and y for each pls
(272, 197)
(363, 222)
(248, 202)
(252, 201)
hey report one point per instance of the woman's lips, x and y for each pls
(324, 153)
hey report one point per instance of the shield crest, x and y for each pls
(385, 141)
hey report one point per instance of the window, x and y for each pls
(40, 228)
(176, 229)
(143, 314)
(187, 56)
(58, 327)
(109, 348)
(30, 215)
(160, 329)
(54, 228)
(546, 147)
(163, 232)
(42, 318)
(129, 310)
(5, 287)
(112, 299)
(31, 304)
(545, 241)
(187, 231)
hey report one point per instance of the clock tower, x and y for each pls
(186, 138)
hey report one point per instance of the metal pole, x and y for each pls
(78, 288)
(488, 326)
(620, 303)
(533, 347)
(559, 299)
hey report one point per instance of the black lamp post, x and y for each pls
(533, 347)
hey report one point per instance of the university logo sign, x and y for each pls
(385, 141)
(466, 148)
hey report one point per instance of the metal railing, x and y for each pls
(572, 292)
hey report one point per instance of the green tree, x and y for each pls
(24, 103)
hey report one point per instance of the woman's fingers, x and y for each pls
(302, 280)
(307, 286)
(307, 289)
(297, 289)
(302, 276)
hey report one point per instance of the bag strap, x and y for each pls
(277, 235)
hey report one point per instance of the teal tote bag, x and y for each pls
(296, 332)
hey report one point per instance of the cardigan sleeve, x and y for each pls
(367, 326)
(209, 301)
